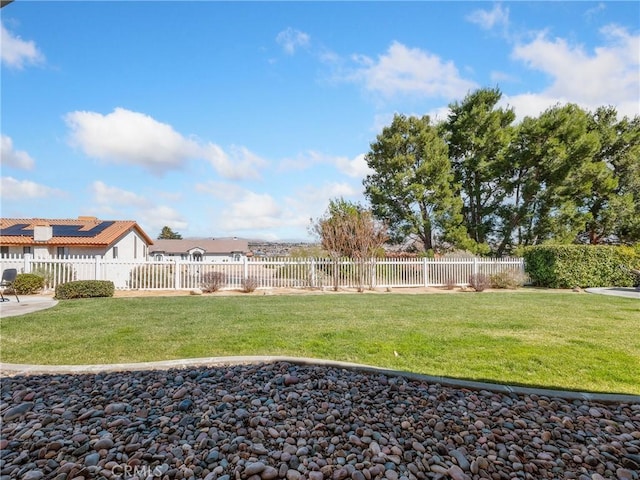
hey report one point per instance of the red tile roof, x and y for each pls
(112, 230)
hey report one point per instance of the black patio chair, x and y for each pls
(8, 277)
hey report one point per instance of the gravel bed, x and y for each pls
(285, 421)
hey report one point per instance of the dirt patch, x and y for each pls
(310, 291)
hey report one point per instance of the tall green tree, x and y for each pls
(479, 134)
(411, 184)
(614, 203)
(551, 174)
(168, 234)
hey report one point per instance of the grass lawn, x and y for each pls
(557, 340)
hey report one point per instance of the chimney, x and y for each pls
(42, 232)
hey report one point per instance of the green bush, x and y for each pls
(28, 284)
(84, 289)
(568, 266)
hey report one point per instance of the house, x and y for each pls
(203, 249)
(84, 236)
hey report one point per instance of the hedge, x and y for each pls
(28, 284)
(569, 266)
(84, 289)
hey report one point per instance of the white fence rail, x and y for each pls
(265, 272)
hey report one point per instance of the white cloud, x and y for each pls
(16, 53)
(13, 189)
(130, 137)
(133, 138)
(238, 163)
(108, 195)
(292, 39)
(594, 11)
(116, 202)
(529, 104)
(606, 76)
(220, 190)
(355, 167)
(255, 212)
(502, 77)
(318, 197)
(303, 161)
(154, 218)
(488, 19)
(403, 70)
(14, 158)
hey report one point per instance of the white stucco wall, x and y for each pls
(130, 247)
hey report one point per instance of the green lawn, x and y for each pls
(558, 340)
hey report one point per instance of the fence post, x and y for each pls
(425, 272)
(97, 272)
(374, 273)
(28, 259)
(177, 266)
(313, 272)
(245, 268)
(475, 266)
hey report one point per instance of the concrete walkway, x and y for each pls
(628, 292)
(27, 304)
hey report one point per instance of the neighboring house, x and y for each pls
(85, 236)
(204, 250)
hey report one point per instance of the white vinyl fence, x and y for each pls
(264, 272)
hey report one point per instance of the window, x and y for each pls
(135, 247)
(4, 251)
(62, 251)
(159, 257)
(26, 250)
(197, 257)
(115, 252)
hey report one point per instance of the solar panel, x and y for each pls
(74, 230)
(19, 230)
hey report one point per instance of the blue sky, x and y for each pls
(245, 118)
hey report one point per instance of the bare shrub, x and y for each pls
(510, 279)
(249, 284)
(479, 282)
(213, 281)
(450, 283)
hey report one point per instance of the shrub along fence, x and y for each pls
(264, 272)
(567, 266)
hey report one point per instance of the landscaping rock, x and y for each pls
(279, 420)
